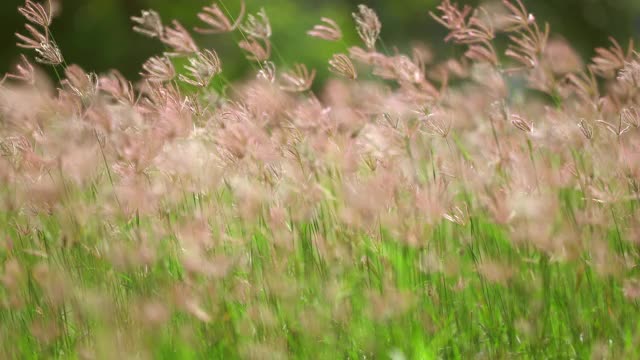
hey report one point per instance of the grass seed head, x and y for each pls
(342, 65)
(257, 26)
(368, 26)
(24, 72)
(217, 21)
(329, 31)
(149, 24)
(36, 13)
(299, 79)
(202, 68)
(158, 69)
(257, 51)
(179, 39)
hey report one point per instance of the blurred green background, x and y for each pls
(97, 35)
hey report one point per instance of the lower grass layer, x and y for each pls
(326, 292)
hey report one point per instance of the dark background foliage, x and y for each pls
(97, 35)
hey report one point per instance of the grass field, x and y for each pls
(411, 208)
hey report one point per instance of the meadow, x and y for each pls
(412, 206)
